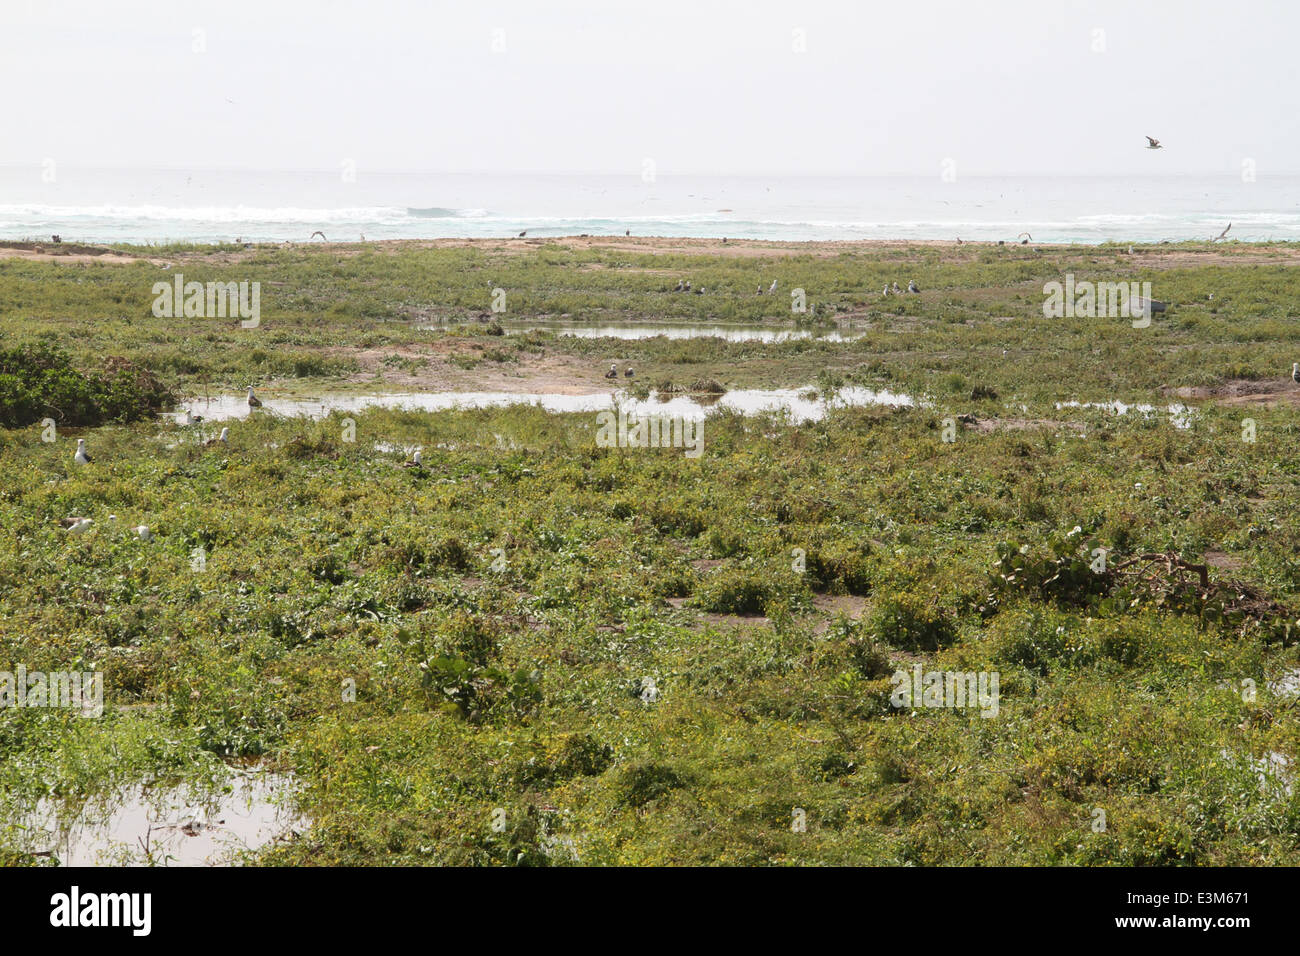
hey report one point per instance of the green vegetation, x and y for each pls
(534, 651)
(37, 381)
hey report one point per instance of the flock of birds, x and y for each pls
(893, 289)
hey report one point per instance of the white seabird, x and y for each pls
(76, 525)
(142, 531)
(772, 289)
(911, 286)
(81, 458)
(253, 400)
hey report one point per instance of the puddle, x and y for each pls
(736, 333)
(1273, 770)
(1288, 685)
(178, 826)
(747, 401)
(1180, 416)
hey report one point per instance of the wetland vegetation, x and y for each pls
(535, 650)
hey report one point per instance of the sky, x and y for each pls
(1034, 88)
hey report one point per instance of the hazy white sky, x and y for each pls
(698, 86)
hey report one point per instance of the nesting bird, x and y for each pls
(191, 418)
(613, 370)
(222, 439)
(142, 532)
(680, 284)
(81, 458)
(895, 289)
(628, 371)
(417, 460)
(912, 286)
(253, 400)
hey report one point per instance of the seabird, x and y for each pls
(223, 438)
(896, 290)
(680, 283)
(77, 525)
(911, 286)
(81, 458)
(628, 371)
(417, 460)
(315, 234)
(522, 234)
(1153, 143)
(700, 291)
(1222, 234)
(687, 287)
(191, 418)
(253, 400)
(613, 370)
(760, 291)
(143, 532)
(772, 289)
(885, 290)
(1295, 372)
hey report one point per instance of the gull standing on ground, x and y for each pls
(81, 458)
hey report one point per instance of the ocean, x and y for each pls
(201, 205)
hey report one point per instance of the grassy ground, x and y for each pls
(503, 612)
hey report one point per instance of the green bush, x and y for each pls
(38, 381)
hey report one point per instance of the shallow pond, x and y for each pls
(800, 403)
(737, 333)
(173, 826)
